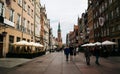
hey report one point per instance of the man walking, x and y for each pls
(97, 54)
(67, 52)
(87, 55)
(71, 52)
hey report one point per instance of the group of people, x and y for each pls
(70, 51)
(87, 52)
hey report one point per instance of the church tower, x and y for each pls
(59, 38)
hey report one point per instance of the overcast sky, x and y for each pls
(64, 11)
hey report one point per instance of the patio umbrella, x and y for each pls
(108, 43)
(98, 43)
(38, 45)
(21, 43)
(84, 45)
(35, 44)
(90, 44)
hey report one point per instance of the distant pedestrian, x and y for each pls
(97, 54)
(67, 52)
(71, 52)
(87, 53)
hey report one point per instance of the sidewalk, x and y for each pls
(12, 62)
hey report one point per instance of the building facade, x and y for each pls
(19, 20)
(90, 22)
(109, 10)
(37, 24)
(45, 28)
(72, 37)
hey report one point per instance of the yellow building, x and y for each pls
(17, 23)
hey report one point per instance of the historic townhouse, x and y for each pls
(37, 25)
(45, 28)
(109, 10)
(90, 22)
(19, 20)
(73, 37)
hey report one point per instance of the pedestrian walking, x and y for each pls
(71, 52)
(67, 52)
(87, 55)
(97, 54)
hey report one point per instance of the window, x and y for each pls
(103, 7)
(119, 27)
(32, 29)
(1, 9)
(11, 40)
(32, 13)
(24, 24)
(20, 2)
(28, 26)
(113, 29)
(100, 10)
(19, 22)
(94, 26)
(14, 0)
(108, 32)
(97, 24)
(117, 11)
(11, 15)
(106, 16)
(24, 5)
(29, 10)
(105, 4)
(18, 39)
(112, 14)
(110, 1)
(96, 14)
(105, 31)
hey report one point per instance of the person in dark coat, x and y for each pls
(71, 53)
(87, 54)
(97, 54)
(67, 52)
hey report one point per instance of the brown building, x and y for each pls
(73, 37)
(109, 10)
(83, 28)
(90, 21)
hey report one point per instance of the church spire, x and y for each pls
(59, 30)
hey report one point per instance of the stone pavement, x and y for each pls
(55, 63)
(12, 62)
